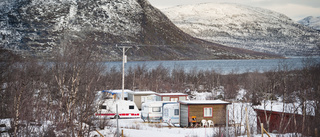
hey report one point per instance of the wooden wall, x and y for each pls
(218, 113)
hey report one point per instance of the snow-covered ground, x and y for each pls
(137, 128)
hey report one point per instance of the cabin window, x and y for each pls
(176, 111)
(103, 107)
(156, 109)
(166, 99)
(131, 107)
(207, 112)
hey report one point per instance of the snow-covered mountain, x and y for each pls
(38, 27)
(313, 22)
(246, 27)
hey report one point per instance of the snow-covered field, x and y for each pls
(138, 128)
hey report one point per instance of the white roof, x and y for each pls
(143, 92)
(120, 90)
(276, 106)
(171, 94)
(193, 102)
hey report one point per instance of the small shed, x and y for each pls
(172, 96)
(140, 97)
(192, 112)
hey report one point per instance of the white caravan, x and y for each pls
(126, 109)
(171, 114)
(153, 110)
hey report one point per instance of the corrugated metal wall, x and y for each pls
(183, 115)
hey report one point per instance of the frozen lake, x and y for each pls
(221, 66)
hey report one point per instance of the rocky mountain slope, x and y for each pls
(39, 27)
(246, 27)
(313, 22)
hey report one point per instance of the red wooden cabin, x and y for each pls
(281, 122)
(172, 96)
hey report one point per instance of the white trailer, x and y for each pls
(126, 109)
(153, 110)
(171, 114)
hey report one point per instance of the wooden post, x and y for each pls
(315, 132)
(261, 129)
(227, 121)
(247, 122)
(266, 132)
(99, 133)
(122, 132)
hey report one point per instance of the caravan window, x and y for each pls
(176, 111)
(103, 107)
(131, 107)
(156, 109)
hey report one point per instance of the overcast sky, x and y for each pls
(295, 9)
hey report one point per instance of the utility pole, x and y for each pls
(247, 123)
(124, 60)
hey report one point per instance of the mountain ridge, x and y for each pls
(38, 27)
(246, 27)
(311, 21)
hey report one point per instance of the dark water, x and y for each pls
(222, 66)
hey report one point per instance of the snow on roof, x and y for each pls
(276, 106)
(142, 92)
(172, 94)
(194, 102)
(6, 122)
(120, 90)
